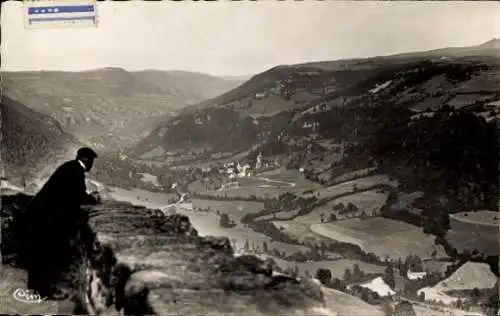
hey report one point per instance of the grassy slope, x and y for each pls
(30, 140)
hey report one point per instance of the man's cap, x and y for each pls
(86, 152)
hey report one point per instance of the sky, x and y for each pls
(244, 37)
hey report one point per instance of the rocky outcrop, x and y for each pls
(138, 261)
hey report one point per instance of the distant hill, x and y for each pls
(268, 101)
(430, 122)
(29, 141)
(111, 107)
(33, 145)
(490, 48)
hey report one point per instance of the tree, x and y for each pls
(421, 297)
(404, 308)
(414, 263)
(324, 275)
(351, 207)
(356, 272)
(389, 276)
(475, 292)
(387, 308)
(347, 275)
(402, 268)
(225, 221)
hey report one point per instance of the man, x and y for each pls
(52, 220)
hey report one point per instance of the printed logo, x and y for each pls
(27, 296)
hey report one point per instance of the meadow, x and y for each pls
(268, 184)
(486, 218)
(298, 231)
(355, 185)
(337, 266)
(469, 276)
(235, 209)
(343, 304)
(476, 230)
(207, 223)
(382, 236)
(368, 202)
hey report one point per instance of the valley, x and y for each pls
(111, 107)
(369, 176)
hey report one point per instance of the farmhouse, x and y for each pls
(243, 171)
(260, 95)
(415, 275)
(312, 125)
(258, 163)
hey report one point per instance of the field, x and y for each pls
(487, 218)
(239, 235)
(354, 174)
(283, 215)
(260, 182)
(297, 230)
(382, 236)
(426, 310)
(369, 202)
(235, 209)
(477, 230)
(355, 185)
(436, 265)
(468, 276)
(247, 192)
(141, 197)
(269, 184)
(207, 223)
(405, 201)
(337, 266)
(289, 175)
(342, 304)
(149, 178)
(261, 187)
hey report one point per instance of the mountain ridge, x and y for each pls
(291, 88)
(430, 123)
(29, 140)
(98, 105)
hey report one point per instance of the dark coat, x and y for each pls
(55, 209)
